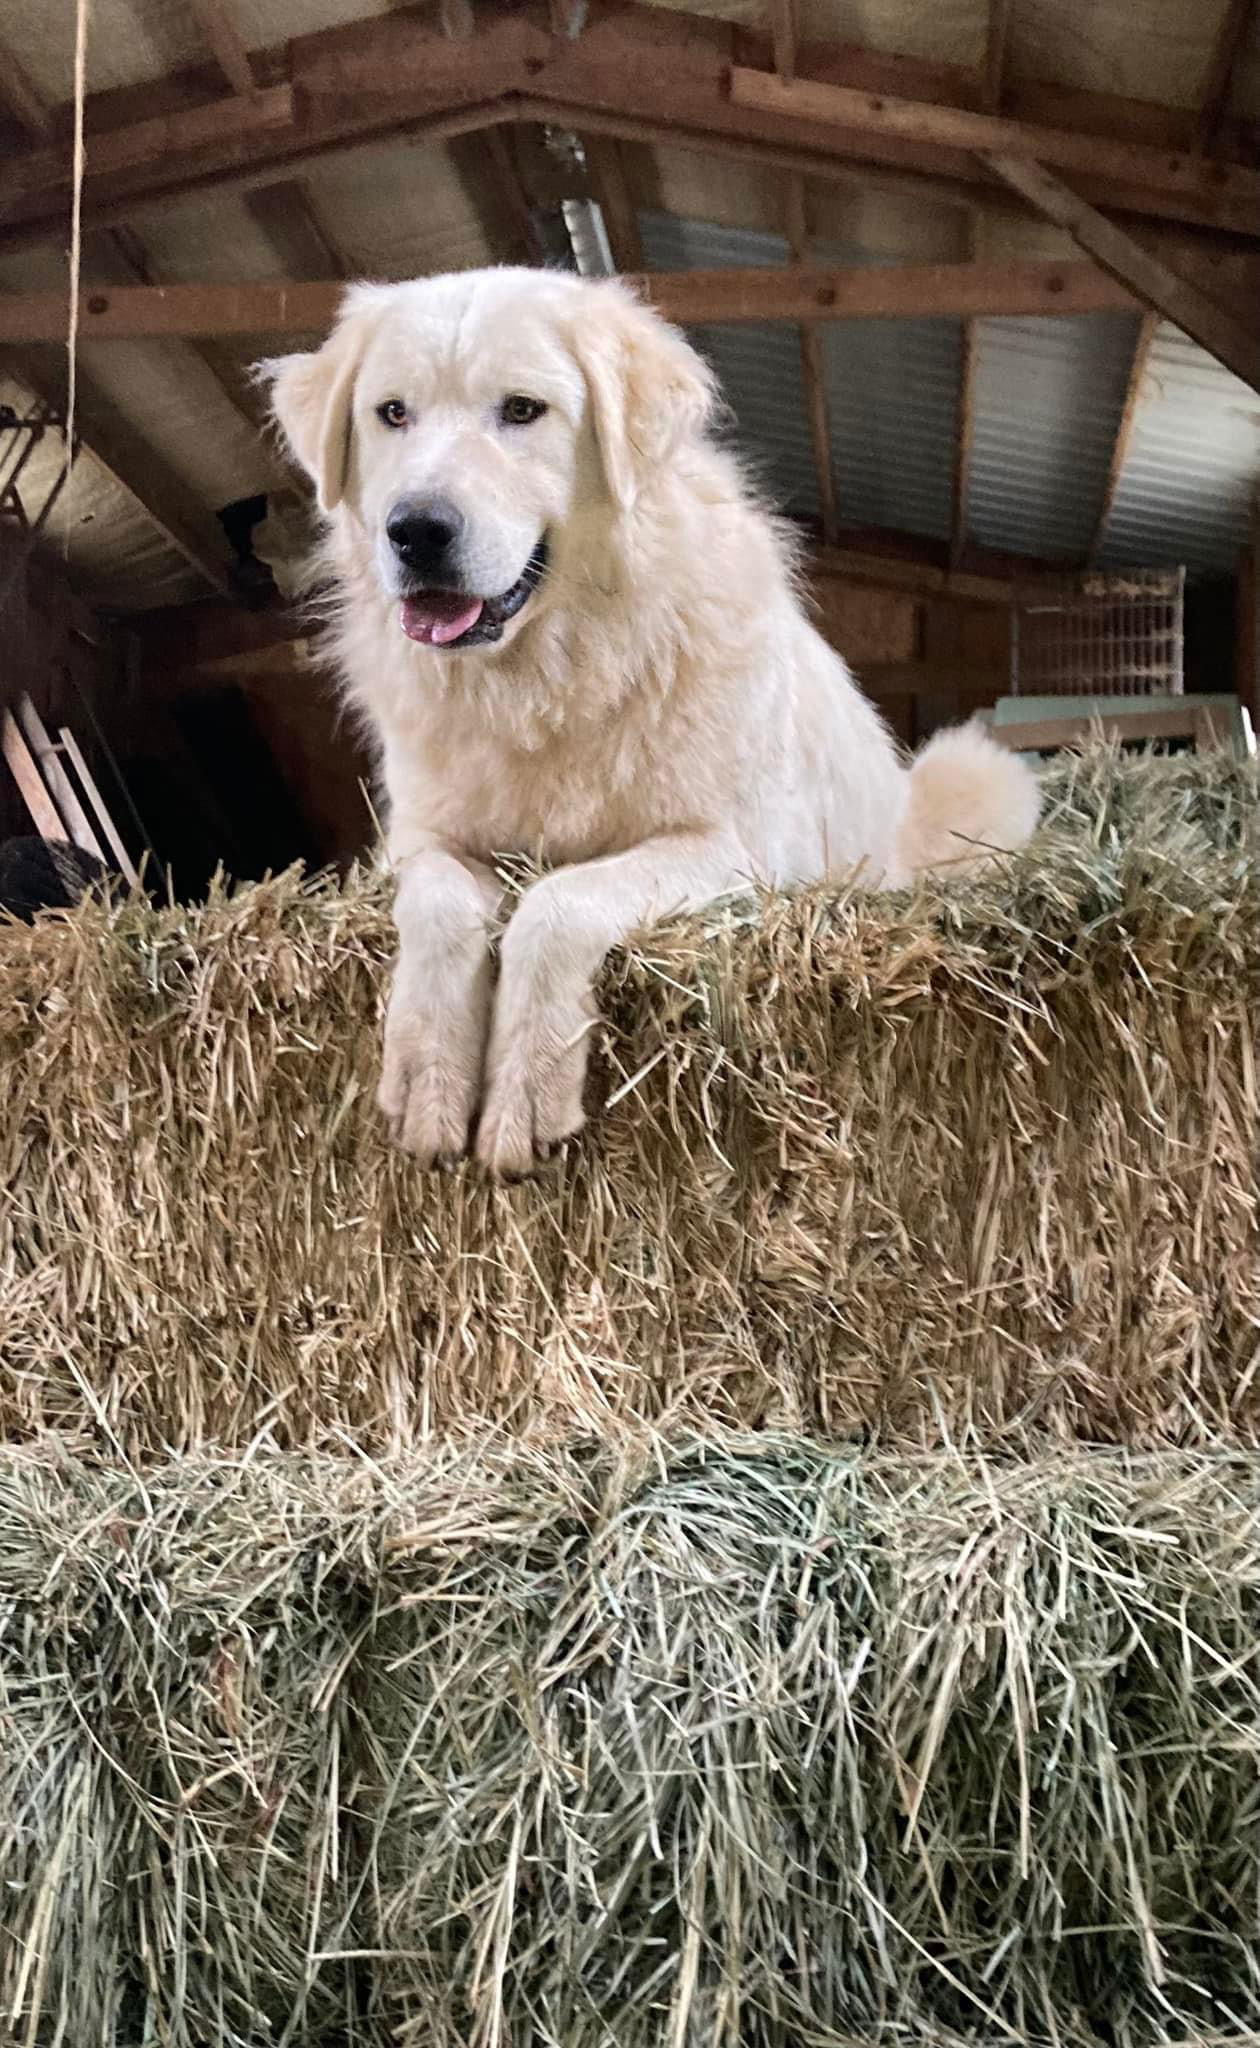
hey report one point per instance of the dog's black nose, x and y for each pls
(424, 534)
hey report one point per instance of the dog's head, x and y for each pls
(468, 423)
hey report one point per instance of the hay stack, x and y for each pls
(977, 1158)
(747, 1746)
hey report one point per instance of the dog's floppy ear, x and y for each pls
(649, 390)
(311, 396)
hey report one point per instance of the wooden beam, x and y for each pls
(222, 34)
(1179, 185)
(783, 36)
(922, 572)
(813, 373)
(1226, 50)
(1125, 259)
(802, 293)
(633, 69)
(288, 218)
(610, 188)
(996, 36)
(510, 207)
(1147, 328)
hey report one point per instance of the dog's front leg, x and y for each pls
(552, 950)
(439, 1005)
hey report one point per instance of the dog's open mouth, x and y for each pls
(453, 618)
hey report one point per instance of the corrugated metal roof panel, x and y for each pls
(1048, 396)
(1192, 463)
(759, 365)
(892, 395)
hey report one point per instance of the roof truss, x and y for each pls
(399, 72)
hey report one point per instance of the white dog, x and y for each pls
(575, 634)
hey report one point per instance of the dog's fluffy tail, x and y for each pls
(969, 799)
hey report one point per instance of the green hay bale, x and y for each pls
(981, 1159)
(173, 1767)
(741, 1744)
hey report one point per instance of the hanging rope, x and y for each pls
(83, 9)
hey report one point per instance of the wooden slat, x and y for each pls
(1224, 196)
(1147, 327)
(783, 35)
(813, 374)
(1226, 50)
(25, 772)
(60, 787)
(87, 782)
(222, 33)
(1132, 265)
(806, 293)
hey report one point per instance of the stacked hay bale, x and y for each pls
(792, 1578)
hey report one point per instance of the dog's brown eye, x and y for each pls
(519, 411)
(393, 413)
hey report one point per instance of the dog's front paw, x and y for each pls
(533, 1100)
(429, 1085)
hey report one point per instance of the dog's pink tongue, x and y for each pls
(439, 617)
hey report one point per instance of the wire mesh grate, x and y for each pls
(1119, 635)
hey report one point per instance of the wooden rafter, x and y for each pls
(801, 293)
(813, 375)
(1226, 50)
(610, 188)
(783, 27)
(1147, 327)
(289, 219)
(638, 68)
(996, 35)
(219, 27)
(1201, 317)
(1178, 185)
(512, 214)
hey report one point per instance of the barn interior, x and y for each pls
(981, 282)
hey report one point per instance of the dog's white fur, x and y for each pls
(660, 724)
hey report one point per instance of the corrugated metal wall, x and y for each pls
(1192, 462)
(759, 365)
(1048, 398)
